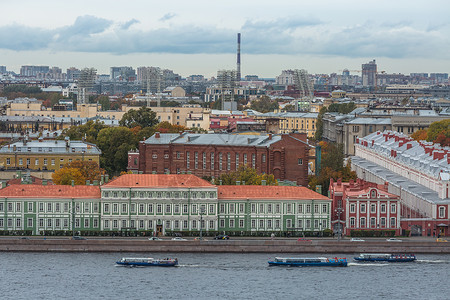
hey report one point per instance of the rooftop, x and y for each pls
(53, 146)
(157, 181)
(50, 191)
(268, 192)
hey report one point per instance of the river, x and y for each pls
(216, 276)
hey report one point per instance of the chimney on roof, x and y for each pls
(73, 182)
(40, 139)
(106, 178)
(238, 182)
(220, 182)
(3, 184)
(44, 182)
(95, 182)
(243, 182)
(319, 189)
(88, 182)
(263, 182)
(408, 146)
(157, 135)
(270, 136)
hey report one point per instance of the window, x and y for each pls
(41, 222)
(196, 160)
(194, 208)
(269, 208)
(220, 161)
(211, 208)
(363, 208)
(289, 208)
(245, 159)
(241, 223)
(373, 223)
(8, 161)
(185, 224)
(188, 158)
(300, 161)
(442, 212)
(10, 207)
(324, 208)
(253, 223)
(241, 208)
(124, 208)
(178, 155)
(20, 161)
(253, 161)
(277, 208)
(383, 208)
(228, 161)
(212, 160)
(115, 208)
(141, 208)
(253, 208)
(106, 223)
(277, 223)
(261, 208)
(159, 208)
(18, 206)
(383, 222)
(36, 161)
(237, 161)
(362, 222)
(95, 223)
(185, 208)
(77, 223)
(316, 223)
(18, 223)
(316, 208)
(86, 223)
(53, 161)
(49, 207)
(288, 223)
(352, 222)
(29, 222)
(168, 208)
(300, 208)
(222, 223)
(176, 224)
(194, 224)
(45, 161)
(150, 223)
(393, 225)
(232, 223)
(308, 223)
(231, 208)
(263, 158)
(154, 156)
(308, 208)
(124, 223)
(393, 208)
(373, 208)
(204, 160)
(261, 224)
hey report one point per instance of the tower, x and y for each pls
(369, 74)
(238, 70)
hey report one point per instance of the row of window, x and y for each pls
(49, 207)
(373, 208)
(373, 223)
(151, 208)
(273, 208)
(48, 223)
(245, 160)
(155, 195)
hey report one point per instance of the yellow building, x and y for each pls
(46, 154)
(293, 122)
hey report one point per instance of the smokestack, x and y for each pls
(238, 73)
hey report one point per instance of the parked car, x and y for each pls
(154, 238)
(357, 240)
(441, 240)
(77, 237)
(222, 237)
(200, 239)
(303, 240)
(393, 240)
(178, 239)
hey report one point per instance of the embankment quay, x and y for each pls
(222, 246)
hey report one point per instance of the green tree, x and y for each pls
(289, 107)
(144, 117)
(319, 124)
(104, 102)
(248, 175)
(115, 142)
(264, 104)
(89, 130)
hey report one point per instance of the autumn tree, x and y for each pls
(248, 175)
(439, 132)
(65, 176)
(264, 104)
(420, 135)
(89, 130)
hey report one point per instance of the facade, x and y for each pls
(284, 156)
(418, 172)
(369, 74)
(364, 206)
(46, 154)
(293, 121)
(163, 204)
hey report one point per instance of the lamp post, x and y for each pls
(338, 211)
(202, 212)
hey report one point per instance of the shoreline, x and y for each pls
(222, 246)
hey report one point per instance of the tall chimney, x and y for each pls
(238, 73)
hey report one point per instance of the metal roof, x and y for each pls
(50, 146)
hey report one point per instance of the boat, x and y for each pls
(309, 262)
(147, 262)
(386, 257)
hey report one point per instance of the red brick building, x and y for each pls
(363, 205)
(285, 156)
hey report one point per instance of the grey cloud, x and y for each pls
(167, 17)
(283, 36)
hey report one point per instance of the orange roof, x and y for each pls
(158, 180)
(268, 192)
(50, 191)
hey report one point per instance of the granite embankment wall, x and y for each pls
(230, 246)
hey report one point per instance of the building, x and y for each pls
(46, 154)
(162, 205)
(293, 121)
(369, 74)
(364, 206)
(418, 172)
(285, 156)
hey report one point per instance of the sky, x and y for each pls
(200, 37)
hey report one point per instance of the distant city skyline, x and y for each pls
(199, 37)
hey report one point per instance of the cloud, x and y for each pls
(296, 36)
(167, 17)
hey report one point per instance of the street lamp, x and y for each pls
(202, 212)
(338, 211)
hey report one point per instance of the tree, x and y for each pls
(319, 124)
(115, 142)
(248, 175)
(143, 117)
(264, 104)
(420, 135)
(65, 176)
(104, 102)
(289, 107)
(89, 130)
(439, 132)
(166, 127)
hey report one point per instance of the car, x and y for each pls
(441, 240)
(303, 240)
(77, 237)
(222, 237)
(154, 238)
(178, 239)
(357, 240)
(200, 239)
(24, 238)
(393, 240)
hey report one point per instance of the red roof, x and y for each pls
(268, 192)
(158, 180)
(50, 191)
